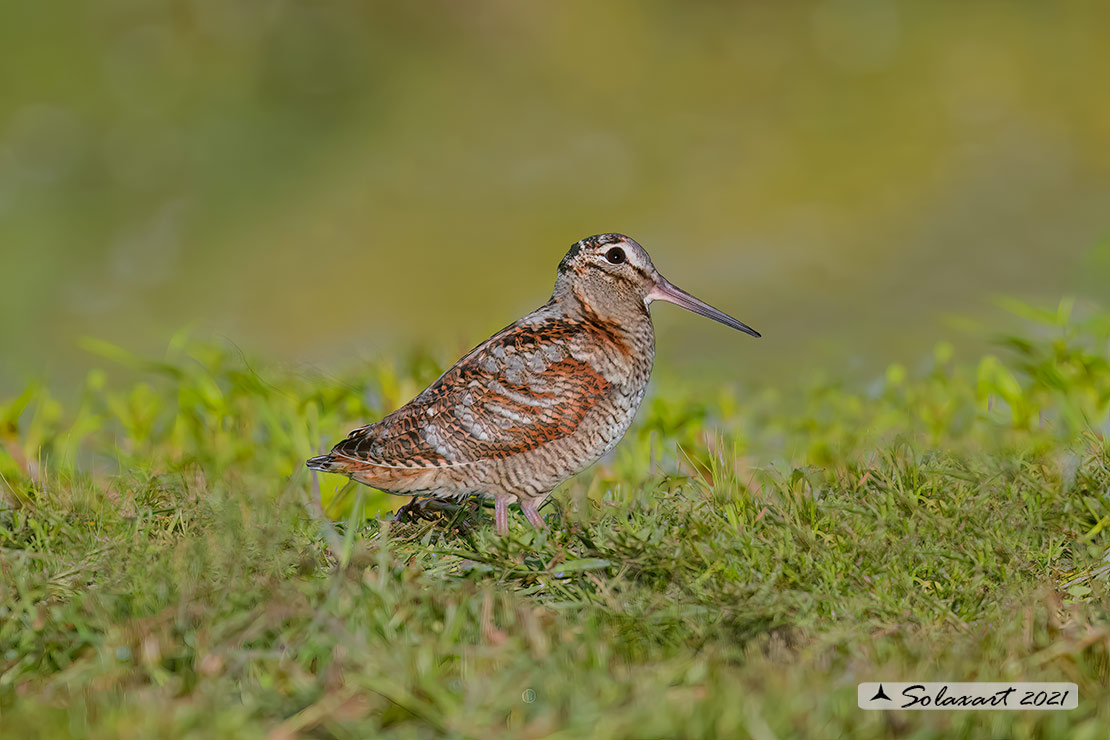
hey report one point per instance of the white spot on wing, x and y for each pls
(493, 408)
(514, 370)
(536, 362)
(431, 436)
(522, 398)
(553, 352)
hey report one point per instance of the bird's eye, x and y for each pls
(615, 256)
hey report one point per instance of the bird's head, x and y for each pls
(613, 276)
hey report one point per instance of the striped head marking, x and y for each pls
(612, 260)
(613, 276)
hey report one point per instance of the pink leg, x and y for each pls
(501, 515)
(531, 512)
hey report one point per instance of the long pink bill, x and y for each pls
(665, 290)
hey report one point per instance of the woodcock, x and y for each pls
(535, 403)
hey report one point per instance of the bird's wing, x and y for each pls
(518, 390)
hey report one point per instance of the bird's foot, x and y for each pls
(424, 508)
(432, 510)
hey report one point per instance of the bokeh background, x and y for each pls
(328, 181)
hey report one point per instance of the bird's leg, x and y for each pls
(501, 515)
(532, 514)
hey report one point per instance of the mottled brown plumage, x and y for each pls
(535, 403)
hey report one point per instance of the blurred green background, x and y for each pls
(333, 180)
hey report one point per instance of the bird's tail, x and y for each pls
(327, 463)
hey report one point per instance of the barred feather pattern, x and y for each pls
(525, 410)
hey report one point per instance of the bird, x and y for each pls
(537, 402)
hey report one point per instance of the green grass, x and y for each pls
(738, 566)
